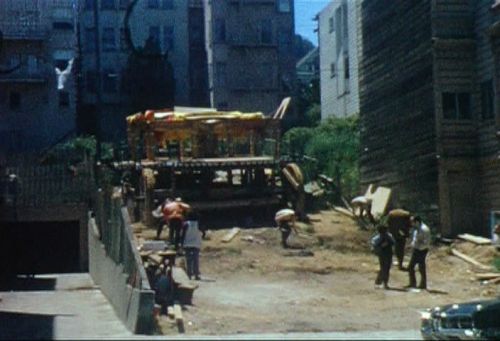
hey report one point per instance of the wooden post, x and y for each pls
(150, 143)
(230, 145)
(172, 180)
(252, 142)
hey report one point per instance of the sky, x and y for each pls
(305, 11)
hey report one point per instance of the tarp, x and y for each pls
(284, 214)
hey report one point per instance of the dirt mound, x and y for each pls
(484, 254)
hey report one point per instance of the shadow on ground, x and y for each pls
(23, 326)
(28, 284)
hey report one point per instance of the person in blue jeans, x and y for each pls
(192, 245)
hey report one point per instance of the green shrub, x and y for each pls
(335, 146)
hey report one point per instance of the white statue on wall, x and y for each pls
(62, 76)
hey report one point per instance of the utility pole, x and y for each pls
(98, 103)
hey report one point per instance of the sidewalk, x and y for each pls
(69, 307)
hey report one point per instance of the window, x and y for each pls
(456, 106)
(61, 63)
(168, 38)
(331, 24)
(108, 39)
(91, 81)
(221, 74)
(487, 98)
(167, 4)
(153, 3)
(333, 72)
(109, 81)
(89, 42)
(154, 32)
(284, 40)
(63, 99)
(107, 4)
(62, 25)
(89, 4)
(15, 100)
(33, 64)
(268, 78)
(346, 68)
(124, 4)
(338, 30)
(266, 31)
(284, 6)
(123, 41)
(220, 31)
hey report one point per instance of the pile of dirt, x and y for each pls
(484, 254)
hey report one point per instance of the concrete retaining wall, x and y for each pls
(133, 304)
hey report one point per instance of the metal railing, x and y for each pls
(26, 183)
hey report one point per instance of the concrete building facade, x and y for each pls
(430, 109)
(38, 36)
(340, 45)
(249, 51)
(175, 24)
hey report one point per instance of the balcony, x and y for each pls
(195, 3)
(25, 75)
(23, 31)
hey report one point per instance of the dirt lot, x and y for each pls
(259, 287)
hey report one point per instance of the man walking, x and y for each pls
(399, 223)
(192, 246)
(420, 243)
(382, 246)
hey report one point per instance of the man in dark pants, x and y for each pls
(174, 215)
(164, 288)
(285, 229)
(382, 245)
(420, 243)
(399, 224)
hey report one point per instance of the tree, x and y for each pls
(308, 104)
(148, 78)
(301, 47)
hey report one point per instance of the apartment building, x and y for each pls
(38, 36)
(175, 24)
(249, 52)
(429, 109)
(307, 67)
(339, 40)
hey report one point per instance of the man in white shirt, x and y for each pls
(420, 243)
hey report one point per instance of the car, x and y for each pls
(463, 321)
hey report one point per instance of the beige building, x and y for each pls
(249, 50)
(165, 20)
(38, 35)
